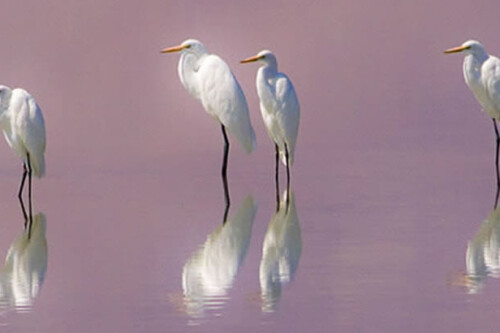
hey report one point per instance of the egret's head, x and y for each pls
(189, 46)
(469, 47)
(264, 56)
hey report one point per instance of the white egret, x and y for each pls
(482, 75)
(280, 110)
(22, 123)
(209, 79)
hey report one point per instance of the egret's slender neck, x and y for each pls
(265, 82)
(188, 66)
(480, 55)
(270, 66)
(186, 69)
(267, 72)
(472, 66)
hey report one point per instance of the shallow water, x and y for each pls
(390, 225)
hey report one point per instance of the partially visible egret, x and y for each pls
(22, 123)
(280, 110)
(482, 75)
(209, 79)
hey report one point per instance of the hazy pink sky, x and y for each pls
(367, 72)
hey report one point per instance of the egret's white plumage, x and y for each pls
(482, 75)
(209, 79)
(278, 104)
(22, 123)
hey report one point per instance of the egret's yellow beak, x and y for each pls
(174, 49)
(457, 49)
(251, 59)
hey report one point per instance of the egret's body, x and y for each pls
(22, 123)
(279, 107)
(482, 75)
(209, 80)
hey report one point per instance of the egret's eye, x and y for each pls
(188, 46)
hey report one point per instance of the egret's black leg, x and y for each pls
(20, 195)
(496, 160)
(224, 173)
(277, 176)
(30, 171)
(287, 156)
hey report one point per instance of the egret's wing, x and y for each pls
(30, 127)
(224, 100)
(288, 110)
(491, 77)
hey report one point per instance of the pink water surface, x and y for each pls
(392, 180)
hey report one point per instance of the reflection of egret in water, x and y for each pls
(210, 271)
(483, 253)
(25, 264)
(280, 252)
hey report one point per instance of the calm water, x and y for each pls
(390, 225)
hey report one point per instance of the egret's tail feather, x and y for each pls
(38, 166)
(245, 135)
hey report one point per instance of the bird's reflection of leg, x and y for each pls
(277, 176)
(496, 160)
(228, 202)
(224, 174)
